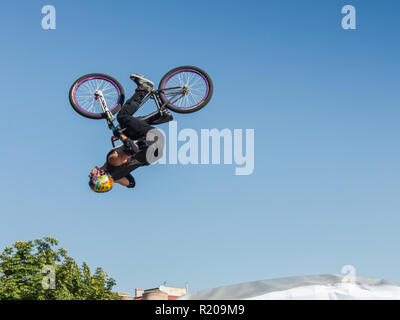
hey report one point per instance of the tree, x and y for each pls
(24, 274)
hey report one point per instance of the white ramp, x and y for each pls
(317, 287)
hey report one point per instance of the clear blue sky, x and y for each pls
(324, 103)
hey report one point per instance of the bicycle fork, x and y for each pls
(98, 96)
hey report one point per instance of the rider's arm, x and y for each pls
(127, 181)
(130, 145)
(132, 182)
(123, 181)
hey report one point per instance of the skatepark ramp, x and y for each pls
(315, 287)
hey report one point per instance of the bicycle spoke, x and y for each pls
(85, 99)
(194, 100)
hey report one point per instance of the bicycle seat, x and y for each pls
(148, 118)
(143, 118)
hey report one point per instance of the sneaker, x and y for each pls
(142, 82)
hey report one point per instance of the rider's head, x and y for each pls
(100, 180)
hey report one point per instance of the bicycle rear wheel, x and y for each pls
(186, 89)
(82, 99)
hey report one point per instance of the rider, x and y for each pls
(131, 154)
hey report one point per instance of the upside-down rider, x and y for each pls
(134, 134)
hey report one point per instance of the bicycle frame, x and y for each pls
(155, 94)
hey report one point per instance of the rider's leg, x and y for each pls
(135, 128)
(165, 117)
(133, 103)
(155, 117)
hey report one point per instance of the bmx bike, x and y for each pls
(184, 89)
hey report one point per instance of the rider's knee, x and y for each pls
(121, 117)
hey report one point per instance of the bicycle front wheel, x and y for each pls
(186, 89)
(82, 98)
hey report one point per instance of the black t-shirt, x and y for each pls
(134, 162)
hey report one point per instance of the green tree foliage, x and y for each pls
(21, 276)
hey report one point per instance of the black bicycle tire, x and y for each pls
(196, 108)
(90, 115)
